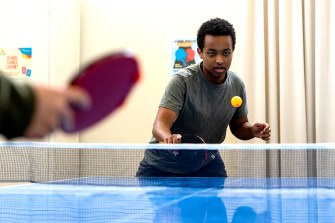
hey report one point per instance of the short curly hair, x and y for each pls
(215, 27)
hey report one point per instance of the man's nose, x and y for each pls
(219, 60)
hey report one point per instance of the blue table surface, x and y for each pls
(189, 200)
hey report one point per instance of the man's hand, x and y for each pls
(173, 139)
(262, 131)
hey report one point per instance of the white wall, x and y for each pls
(26, 24)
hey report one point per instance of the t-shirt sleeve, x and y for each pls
(173, 97)
(16, 107)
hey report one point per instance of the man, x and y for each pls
(35, 111)
(197, 101)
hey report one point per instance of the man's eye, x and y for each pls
(210, 53)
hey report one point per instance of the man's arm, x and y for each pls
(242, 129)
(162, 125)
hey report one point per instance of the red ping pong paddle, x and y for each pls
(108, 81)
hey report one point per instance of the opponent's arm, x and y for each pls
(35, 111)
(16, 107)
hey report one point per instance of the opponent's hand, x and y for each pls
(54, 109)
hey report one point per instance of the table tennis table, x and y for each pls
(173, 200)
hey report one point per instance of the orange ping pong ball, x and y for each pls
(236, 101)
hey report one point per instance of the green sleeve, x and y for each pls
(17, 104)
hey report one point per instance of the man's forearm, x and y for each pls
(244, 132)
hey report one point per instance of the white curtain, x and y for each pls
(286, 56)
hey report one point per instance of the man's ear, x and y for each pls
(199, 52)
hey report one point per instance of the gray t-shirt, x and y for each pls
(203, 109)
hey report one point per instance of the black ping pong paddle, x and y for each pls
(189, 138)
(191, 159)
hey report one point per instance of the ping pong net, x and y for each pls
(57, 162)
(96, 183)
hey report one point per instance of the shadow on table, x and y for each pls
(245, 214)
(185, 200)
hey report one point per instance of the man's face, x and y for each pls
(217, 56)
